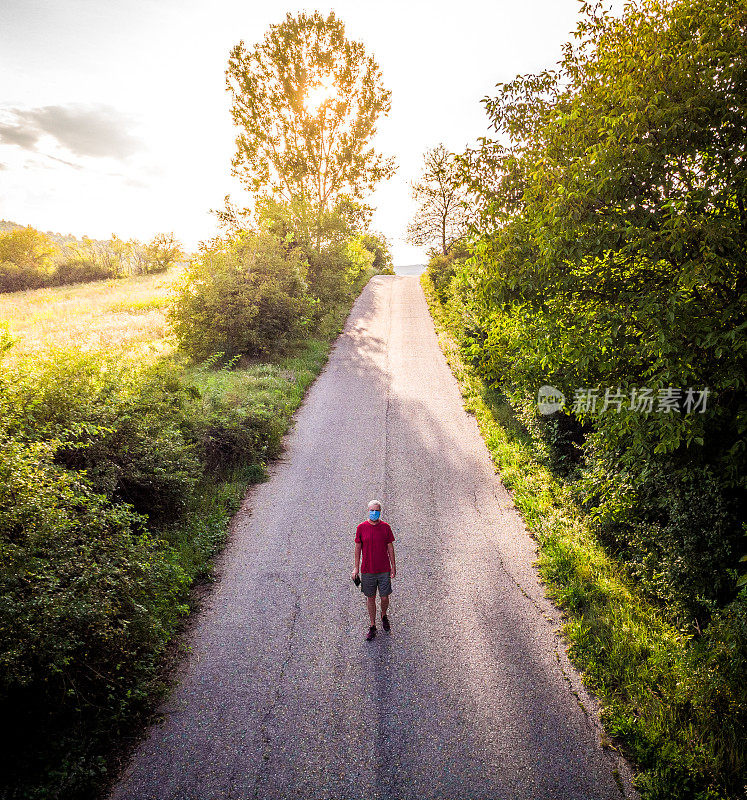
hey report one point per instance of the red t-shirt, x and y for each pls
(374, 539)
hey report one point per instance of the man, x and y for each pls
(373, 539)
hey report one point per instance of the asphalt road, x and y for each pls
(470, 695)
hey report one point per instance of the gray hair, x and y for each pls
(375, 503)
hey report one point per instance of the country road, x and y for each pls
(471, 695)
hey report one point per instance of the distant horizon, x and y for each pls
(410, 269)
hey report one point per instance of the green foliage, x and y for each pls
(294, 221)
(378, 246)
(359, 258)
(27, 248)
(442, 268)
(25, 259)
(87, 599)
(612, 256)
(227, 436)
(123, 427)
(677, 530)
(77, 269)
(162, 252)
(117, 483)
(677, 702)
(243, 295)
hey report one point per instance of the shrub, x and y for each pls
(106, 517)
(684, 539)
(585, 277)
(227, 437)
(714, 691)
(15, 278)
(27, 247)
(359, 259)
(441, 270)
(124, 426)
(377, 244)
(243, 295)
(31, 260)
(162, 252)
(327, 278)
(78, 270)
(87, 599)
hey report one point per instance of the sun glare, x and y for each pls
(318, 94)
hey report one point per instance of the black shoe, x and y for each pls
(371, 633)
(385, 622)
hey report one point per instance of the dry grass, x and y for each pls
(127, 313)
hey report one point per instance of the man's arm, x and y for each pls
(357, 558)
(390, 550)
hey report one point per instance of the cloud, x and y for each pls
(93, 129)
(16, 134)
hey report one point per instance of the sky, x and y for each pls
(114, 117)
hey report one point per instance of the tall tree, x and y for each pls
(443, 217)
(306, 100)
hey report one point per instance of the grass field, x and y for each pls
(125, 313)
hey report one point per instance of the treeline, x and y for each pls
(31, 259)
(607, 261)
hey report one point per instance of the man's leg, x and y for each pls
(371, 604)
(384, 604)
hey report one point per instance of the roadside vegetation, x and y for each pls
(606, 260)
(126, 447)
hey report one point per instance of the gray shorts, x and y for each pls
(370, 580)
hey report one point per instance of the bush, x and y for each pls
(586, 278)
(243, 295)
(125, 427)
(681, 539)
(101, 471)
(27, 248)
(382, 258)
(714, 693)
(443, 268)
(25, 259)
(15, 278)
(227, 437)
(78, 270)
(162, 252)
(31, 260)
(87, 599)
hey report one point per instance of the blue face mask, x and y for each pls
(374, 515)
